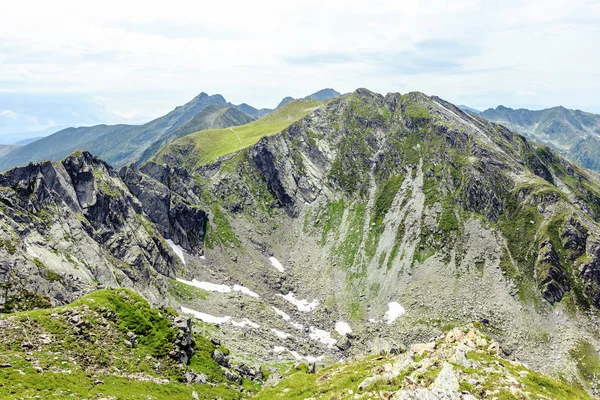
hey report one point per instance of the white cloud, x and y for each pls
(147, 57)
(8, 113)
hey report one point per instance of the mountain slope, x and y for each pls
(71, 227)
(356, 227)
(122, 144)
(206, 146)
(324, 94)
(6, 148)
(463, 364)
(111, 343)
(573, 133)
(210, 117)
(384, 201)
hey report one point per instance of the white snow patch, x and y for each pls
(394, 311)
(210, 287)
(374, 321)
(342, 328)
(215, 287)
(178, 250)
(301, 305)
(202, 257)
(281, 313)
(245, 290)
(322, 336)
(211, 319)
(245, 322)
(296, 355)
(275, 262)
(297, 325)
(280, 334)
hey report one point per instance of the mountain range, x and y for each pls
(123, 144)
(573, 133)
(390, 246)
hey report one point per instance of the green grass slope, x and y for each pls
(79, 352)
(464, 361)
(206, 146)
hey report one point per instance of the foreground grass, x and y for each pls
(78, 351)
(206, 146)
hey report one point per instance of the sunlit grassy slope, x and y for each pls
(206, 146)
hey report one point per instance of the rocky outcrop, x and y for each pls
(174, 216)
(554, 282)
(73, 226)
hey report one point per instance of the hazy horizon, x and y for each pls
(69, 64)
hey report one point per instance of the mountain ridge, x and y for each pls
(370, 221)
(574, 133)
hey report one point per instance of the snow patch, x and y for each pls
(281, 313)
(210, 287)
(245, 290)
(297, 325)
(394, 311)
(178, 250)
(342, 328)
(280, 334)
(275, 262)
(215, 287)
(301, 305)
(211, 319)
(296, 355)
(321, 336)
(244, 323)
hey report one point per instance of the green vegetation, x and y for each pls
(221, 233)
(206, 146)
(182, 291)
(587, 360)
(534, 382)
(333, 382)
(79, 351)
(342, 380)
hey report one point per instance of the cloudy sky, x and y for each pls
(72, 63)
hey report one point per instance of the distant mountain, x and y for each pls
(253, 111)
(211, 117)
(123, 144)
(321, 95)
(19, 137)
(573, 133)
(284, 101)
(6, 148)
(324, 94)
(28, 140)
(469, 109)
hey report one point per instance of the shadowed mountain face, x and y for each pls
(573, 133)
(122, 144)
(328, 230)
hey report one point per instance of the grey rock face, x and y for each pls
(175, 217)
(74, 226)
(343, 343)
